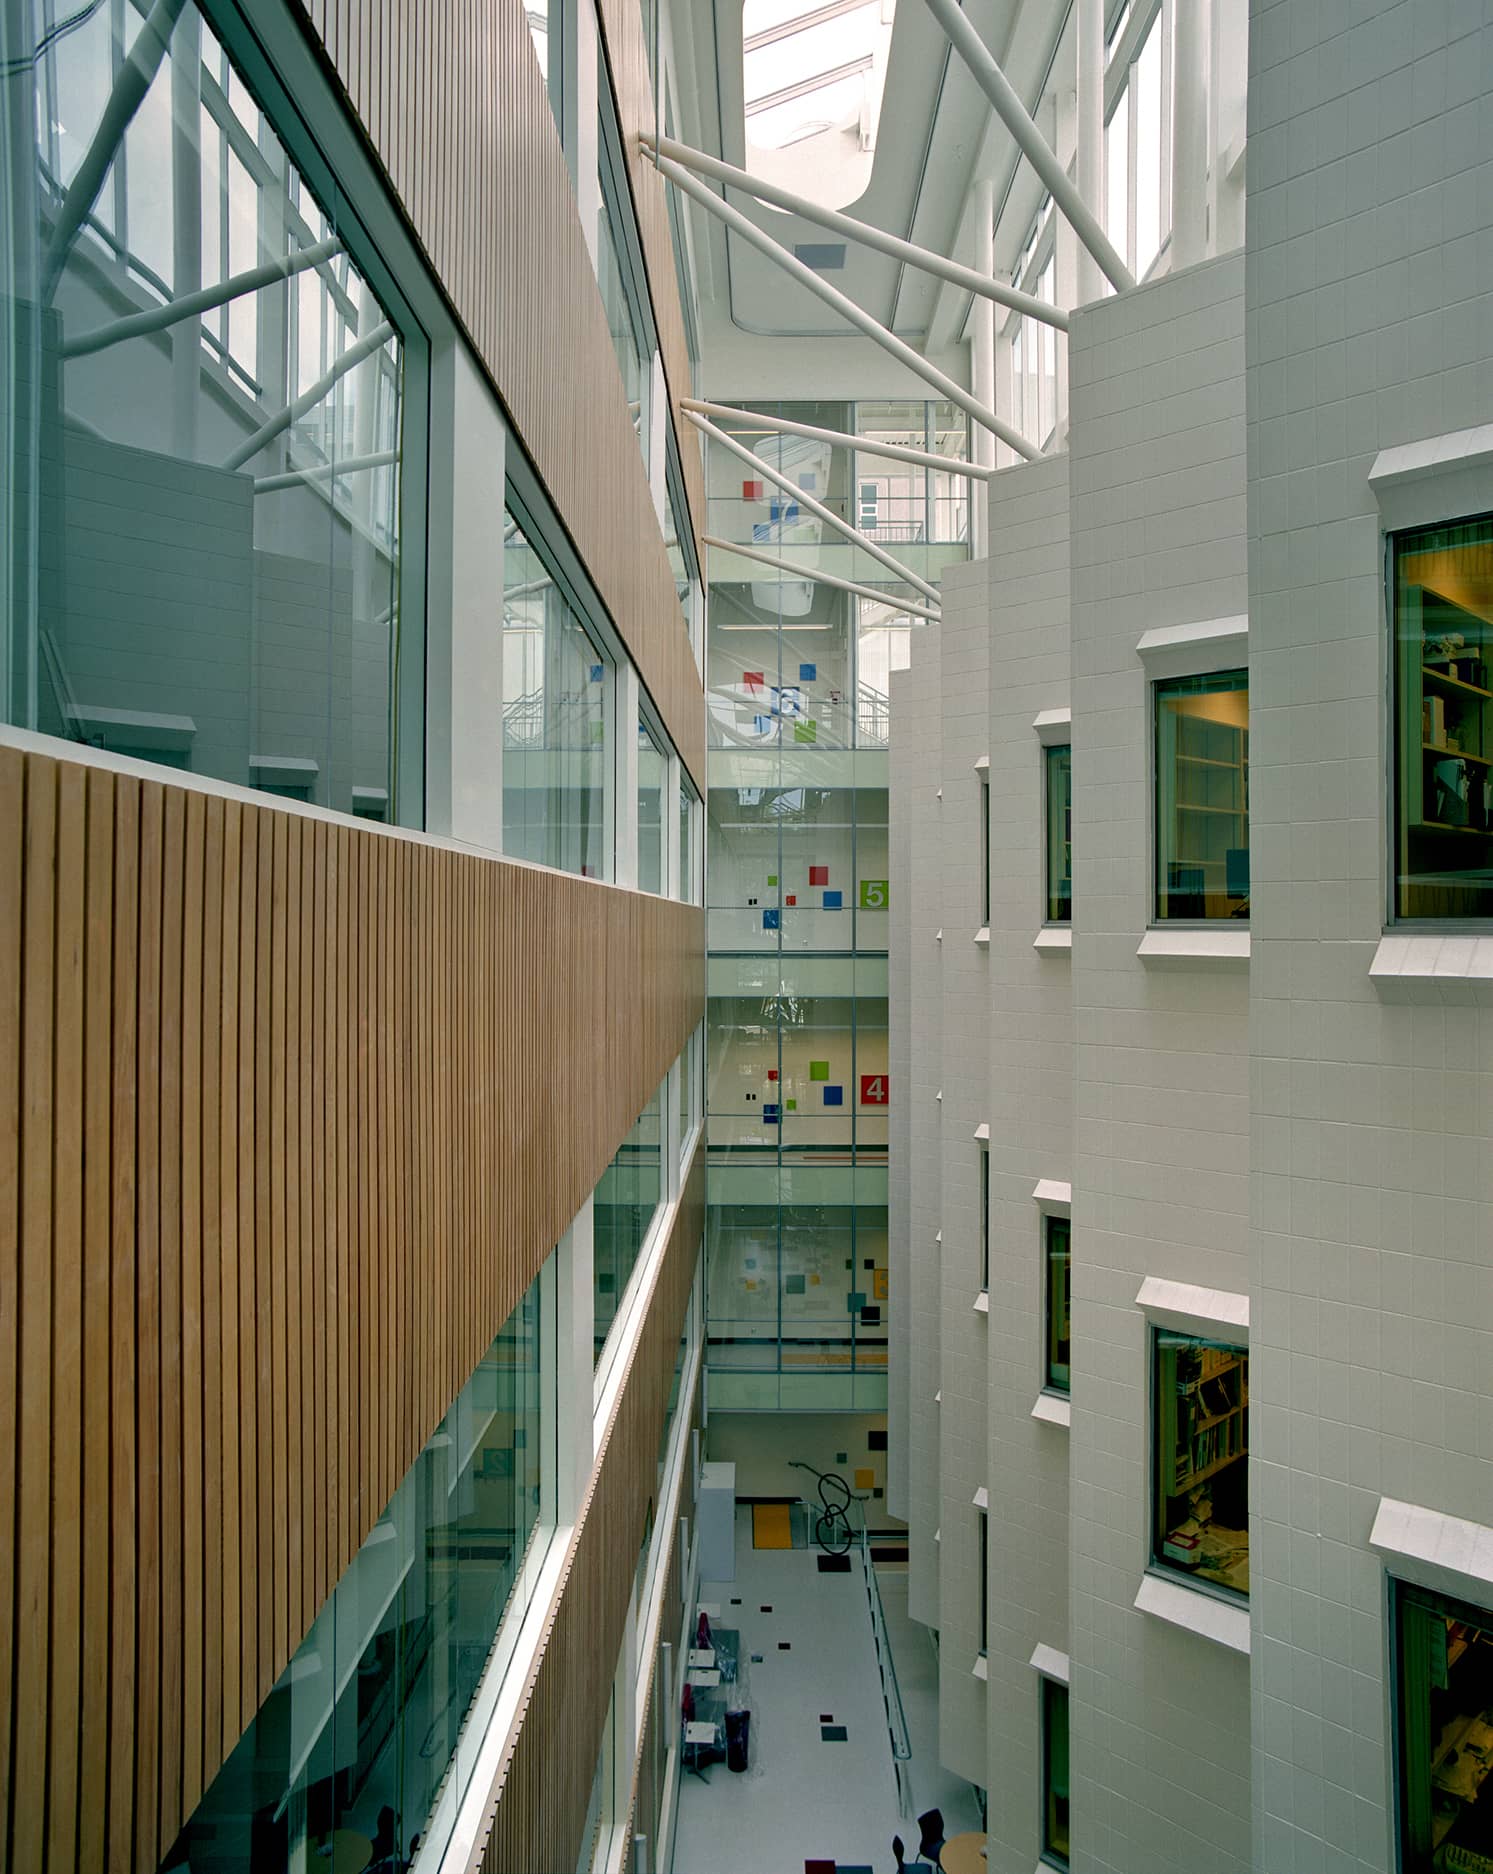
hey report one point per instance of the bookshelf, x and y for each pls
(1201, 1460)
(1207, 1416)
(1202, 799)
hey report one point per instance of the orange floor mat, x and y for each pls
(771, 1528)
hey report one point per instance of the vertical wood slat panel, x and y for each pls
(307, 1119)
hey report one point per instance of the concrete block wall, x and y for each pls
(1159, 1715)
(1370, 296)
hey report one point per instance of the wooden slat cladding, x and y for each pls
(290, 1113)
(454, 105)
(544, 1784)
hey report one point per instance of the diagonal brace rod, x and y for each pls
(863, 445)
(308, 399)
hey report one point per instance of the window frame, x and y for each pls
(615, 204)
(1059, 1389)
(1048, 1689)
(1157, 1564)
(1122, 56)
(1049, 750)
(1156, 682)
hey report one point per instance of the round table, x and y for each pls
(963, 1854)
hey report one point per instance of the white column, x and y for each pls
(1190, 133)
(1069, 254)
(587, 126)
(576, 1392)
(186, 229)
(1089, 129)
(982, 366)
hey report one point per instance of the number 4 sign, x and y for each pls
(873, 1089)
(873, 894)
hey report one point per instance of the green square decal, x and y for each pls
(819, 1070)
(772, 878)
(792, 1106)
(806, 731)
(873, 894)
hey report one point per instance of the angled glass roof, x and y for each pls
(813, 73)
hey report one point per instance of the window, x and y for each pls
(689, 840)
(214, 577)
(1201, 1487)
(1057, 1239)
(1137, 156)
(679, 540)
(983, 1519)
(556, 703)
(1034, 354)
(627, 1198)
(1054, 1773)
(653, 779)
(1058, 831)
(985, 1218)
(1202, 797)
(1443, 1734)
(1443, 622)
(617, 276)
(376, 1706)
(985, 852)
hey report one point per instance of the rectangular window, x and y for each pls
(1444, 1730)
(1201, 1471)
(1202, 797)
(1443, 624)
(1057, 1238)
(653, 778)
(617, 278)
(985, 852)
(689, 841)
(627, 1198)
(1058, 832)
(983, 1519)
(556, 699)
(985, 1218)
(377, 1703)
(1054, 1773)
(213, 578)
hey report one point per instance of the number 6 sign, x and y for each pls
(873, 894)
(873, 1089)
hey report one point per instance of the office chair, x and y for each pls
(897, 1847)
(930, 1823)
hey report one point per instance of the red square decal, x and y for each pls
(790, 899)
(751, 491)
(772, 1073)
(818, 874)
(873, 1089)
(753, 679)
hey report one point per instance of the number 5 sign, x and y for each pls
(873, 1089)
(873, 894)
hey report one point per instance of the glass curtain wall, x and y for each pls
(798, 680)
(205, 382)
(626, 1201)
(653, 779)
(367, 1720)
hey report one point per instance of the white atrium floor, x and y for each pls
(805, 1798)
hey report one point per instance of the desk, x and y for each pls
(702, 1656)
(963, 1854)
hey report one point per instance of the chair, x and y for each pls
(930, 1846)
(898, 1846)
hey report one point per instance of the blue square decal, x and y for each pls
(807, 672)
(769, 1115)
(809, 481)
(762, 725)
(771, 921)
(833, 901)
(834, 1096)
(596, 673)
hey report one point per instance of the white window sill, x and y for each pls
(981, 1498)
(1054, 940)
(1223, 948)
(981, 1668)
(1051, 1663)
(982, 1131)
(1053, 1409)
(1436, 479)
(1052, 1197)
(1054, 727)
(1194, 650)
(1202, 1614)
(1436, 1551)
(982, 766)
(1210, 1312)
(982, 936)
(1432, 968)
(982, 1301)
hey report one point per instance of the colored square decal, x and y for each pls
(806, 732)
(771, 920)
(753, 679)
(855, 1301)
(793, 1285)
(783, 511)
(834, 901)
(751, 491)
(772, 878)
(878, 1284)
(834, 1096)
(807, 673)
(873, 894)
(818, 874)
(769, 1115)
(792, 1106)
(865, 1480)
(809, 481)
(772, 1073)
(873, 1089)
(762, 725)
(819, 1070)
(790, 899)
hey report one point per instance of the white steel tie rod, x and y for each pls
(1033, 145)
(966, 278)
(790, 571)
(308, 399)
(815, 507)
(846, 307)
(863, 445)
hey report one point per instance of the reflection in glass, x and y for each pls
(1443, 607)
(1444, 1734)
(624, 319)
(204, 500)
(689, 835)
(653, 776)
(1117, 175)
(1202, 797)
(1150, 157)
(362, 1726)
(555, 758)
(797, 1286)
(627, 1197)
(1056, 1238)
(1054, 1773)
(1201, 1495)
(1058, 834)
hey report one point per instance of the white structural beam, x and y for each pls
(966, 278)
(135, 78)
(325, 471)
(1088, 130)
(308, 399)
(1192, 30)
(814, 505)
(1033, 145)
(845, 306)
(158, 318)
(866, 445)
(791, 571)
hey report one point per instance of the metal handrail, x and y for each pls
(891, 1692)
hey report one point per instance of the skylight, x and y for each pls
(813, 73)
